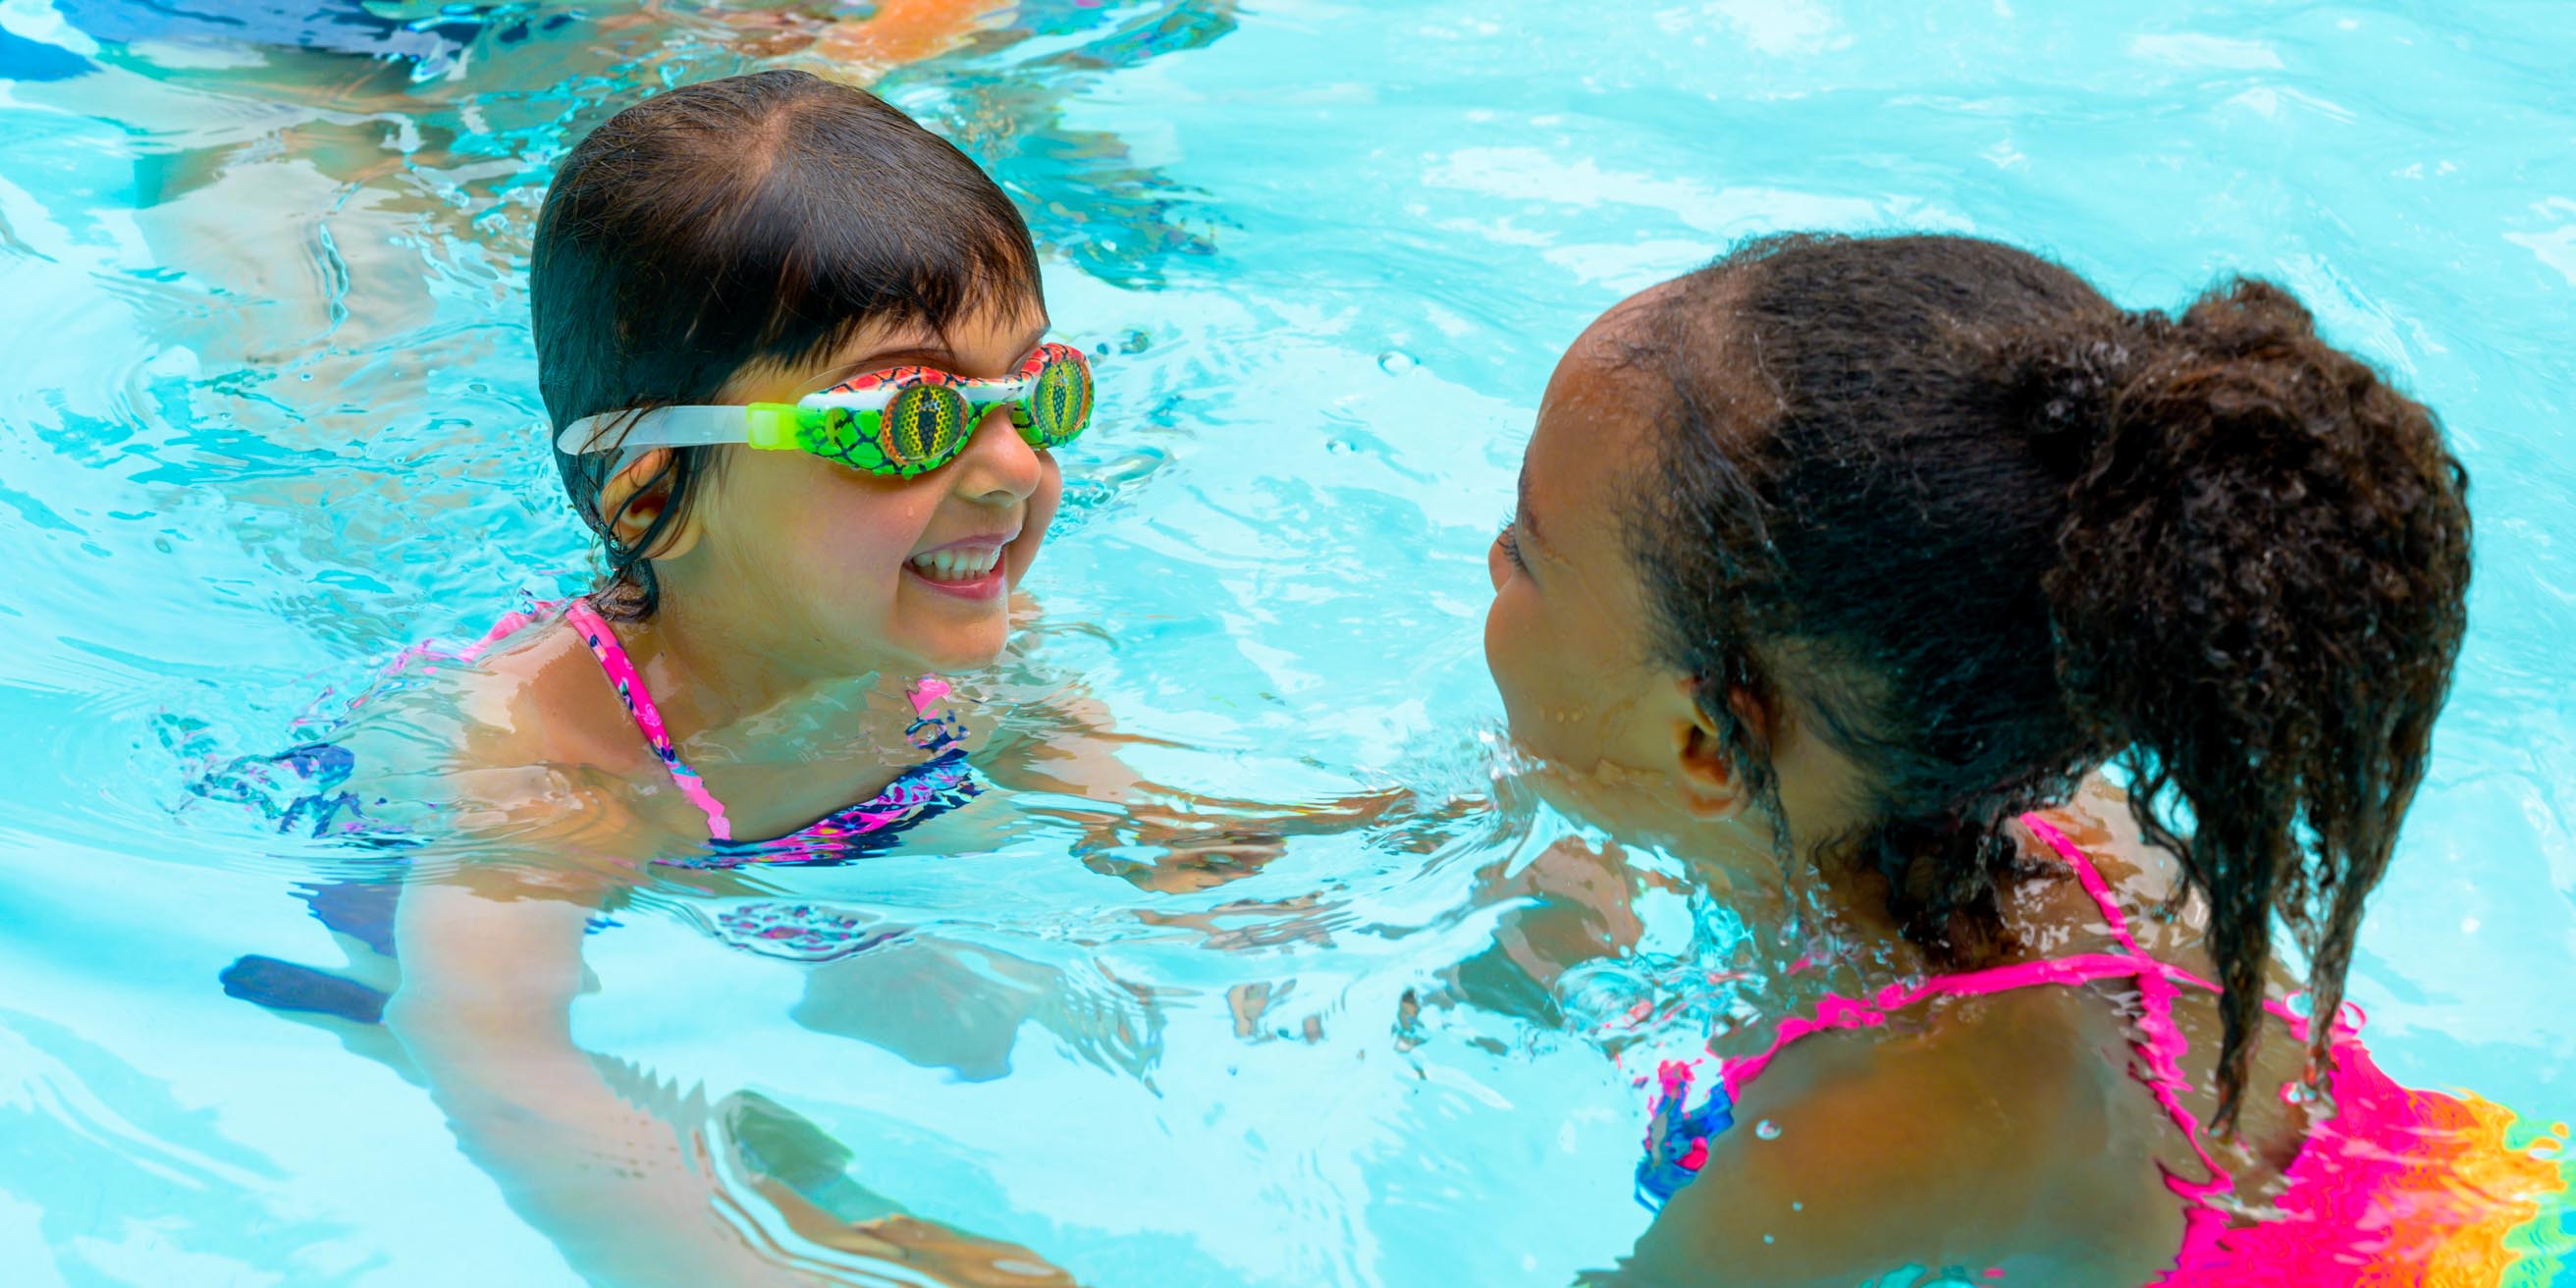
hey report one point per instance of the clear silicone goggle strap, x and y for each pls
(660, 427)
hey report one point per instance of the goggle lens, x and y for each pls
(924, 428)
(1058, 403)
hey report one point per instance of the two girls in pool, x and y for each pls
(1840, 568)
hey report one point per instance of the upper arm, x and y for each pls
(1979, 1140)
(503, 966)
(1066, 744)
(490, 927)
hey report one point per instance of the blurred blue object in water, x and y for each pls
(399, 31)
(22, 59)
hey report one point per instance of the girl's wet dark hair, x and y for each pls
(756, 218)
(1988, 532)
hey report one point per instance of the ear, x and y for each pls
(633, 500)
(1712, 783)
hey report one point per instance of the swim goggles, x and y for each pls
(899, 423)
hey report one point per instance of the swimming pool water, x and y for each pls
(272, 416)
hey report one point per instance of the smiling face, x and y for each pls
(828, 571)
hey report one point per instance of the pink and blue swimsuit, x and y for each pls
(2396, 1187)
(313, 777)
(941, 783)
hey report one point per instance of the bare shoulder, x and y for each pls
(538, 699)
(541, 699)
(1998, 1131)
(2169, 918)
(527, 738)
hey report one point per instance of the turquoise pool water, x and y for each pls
(273, 413)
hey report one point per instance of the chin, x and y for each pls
(958, 654)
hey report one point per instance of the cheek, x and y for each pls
(1562, 698)
(846, 540)
(1515, 646)
(1042, 505)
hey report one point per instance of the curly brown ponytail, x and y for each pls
(2261, 594)
(1993, 533)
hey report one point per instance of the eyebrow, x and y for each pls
(1522, 519)
(939, 356)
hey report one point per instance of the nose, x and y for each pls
(998, 467)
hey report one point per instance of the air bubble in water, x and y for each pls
(1767, 1129)
(1396, 362)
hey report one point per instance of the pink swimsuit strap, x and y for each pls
(2391, 1178)
(620, 670)
(2159, 1040)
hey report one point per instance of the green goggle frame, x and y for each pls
(899, 423)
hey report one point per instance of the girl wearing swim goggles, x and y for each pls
(746, 682)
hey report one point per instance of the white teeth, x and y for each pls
(957, 565)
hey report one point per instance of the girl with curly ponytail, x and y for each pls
(1844, 567)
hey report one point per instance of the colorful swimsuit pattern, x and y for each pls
(937, 785)
(2397, 1187)
(302, 791)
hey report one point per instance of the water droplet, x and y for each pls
(1767, 1129)
(1796, 1206)
(1766, 1238)
(1396, 362)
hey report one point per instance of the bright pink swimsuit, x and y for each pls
(2396, 1187)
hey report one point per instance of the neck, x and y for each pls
(1734, 857)
(1736, 863)
(1817, 905)
(731, 703)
